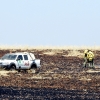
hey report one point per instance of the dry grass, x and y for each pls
(73, 50)
(5, 73)
(93, 71)
(25, 47)
(75, 53)
(70, 53)
(49, 53)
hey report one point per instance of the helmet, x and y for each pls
(85, 51)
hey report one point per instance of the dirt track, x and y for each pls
(61, 77)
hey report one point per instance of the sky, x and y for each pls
(50, 22)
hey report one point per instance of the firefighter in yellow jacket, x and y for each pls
(89, 58)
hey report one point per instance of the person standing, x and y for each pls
(89, 58)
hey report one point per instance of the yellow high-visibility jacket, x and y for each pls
(90, 55)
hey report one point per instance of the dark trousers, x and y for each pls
(91, 63)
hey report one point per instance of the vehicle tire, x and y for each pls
(33, 68)
(12, 67)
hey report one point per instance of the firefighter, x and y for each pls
(88, 58)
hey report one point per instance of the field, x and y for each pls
(61, 77)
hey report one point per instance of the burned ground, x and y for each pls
(61, 77)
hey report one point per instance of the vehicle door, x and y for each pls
(20, 62)
(26, 62)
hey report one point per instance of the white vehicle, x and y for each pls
(19, 60)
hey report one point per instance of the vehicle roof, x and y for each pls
(17, 53)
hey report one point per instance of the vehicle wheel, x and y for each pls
(12, 67)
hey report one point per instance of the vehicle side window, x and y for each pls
(25, 57)
(20, 57)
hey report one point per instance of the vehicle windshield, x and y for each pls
(9, 57)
